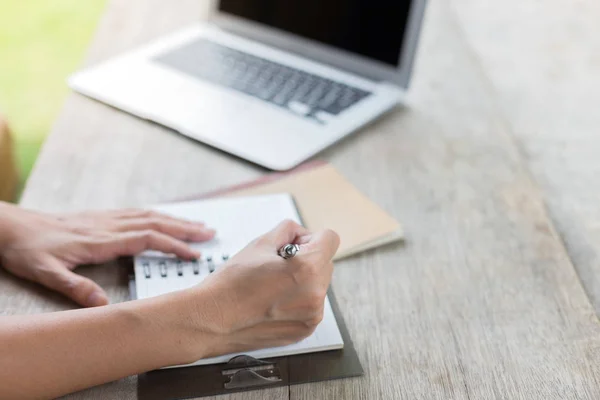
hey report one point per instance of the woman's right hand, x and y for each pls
(258, 299)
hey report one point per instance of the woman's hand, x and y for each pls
(46, 248)
(258, 299)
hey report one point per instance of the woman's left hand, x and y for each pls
(46, 248)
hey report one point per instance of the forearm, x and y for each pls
(44, 356)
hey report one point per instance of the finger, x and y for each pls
(114, 214)
(303, 239)
(140, 213)
(98, 214)
(286, 232)
(81, 290)
(181, 230)
(132, 243)
(127, 213)
(325, 242)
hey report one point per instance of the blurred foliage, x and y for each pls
(41, 43)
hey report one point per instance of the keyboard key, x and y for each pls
(330, 97)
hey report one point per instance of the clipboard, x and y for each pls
(244, 373)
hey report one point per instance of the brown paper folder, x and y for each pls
(325, 199)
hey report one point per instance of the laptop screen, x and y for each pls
(372, 28)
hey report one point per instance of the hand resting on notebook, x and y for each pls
(255, 300)
(45, 248)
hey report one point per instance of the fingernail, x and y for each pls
(97, 299)
(304, 239)
(210, 232)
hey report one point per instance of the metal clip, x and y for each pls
(245, 371)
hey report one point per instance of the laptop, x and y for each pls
(271, 81)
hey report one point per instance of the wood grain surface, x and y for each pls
(543, 64)
(481, 302)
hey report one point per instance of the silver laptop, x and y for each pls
(271, 81)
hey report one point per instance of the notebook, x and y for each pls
(238, 221)
(326, 199)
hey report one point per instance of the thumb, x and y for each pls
(81, 290)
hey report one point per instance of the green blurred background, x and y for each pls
(41, 43)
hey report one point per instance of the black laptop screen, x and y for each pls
(371, 28)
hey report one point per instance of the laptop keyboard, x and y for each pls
(297, 91)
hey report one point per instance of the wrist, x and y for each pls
(202, 321)
(184, 326)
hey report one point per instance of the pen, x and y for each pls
(288, 251)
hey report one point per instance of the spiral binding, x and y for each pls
(165, 265)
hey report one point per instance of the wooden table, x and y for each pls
(485, 300)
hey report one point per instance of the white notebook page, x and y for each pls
(238, 221)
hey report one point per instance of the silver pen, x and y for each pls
(288, 251)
